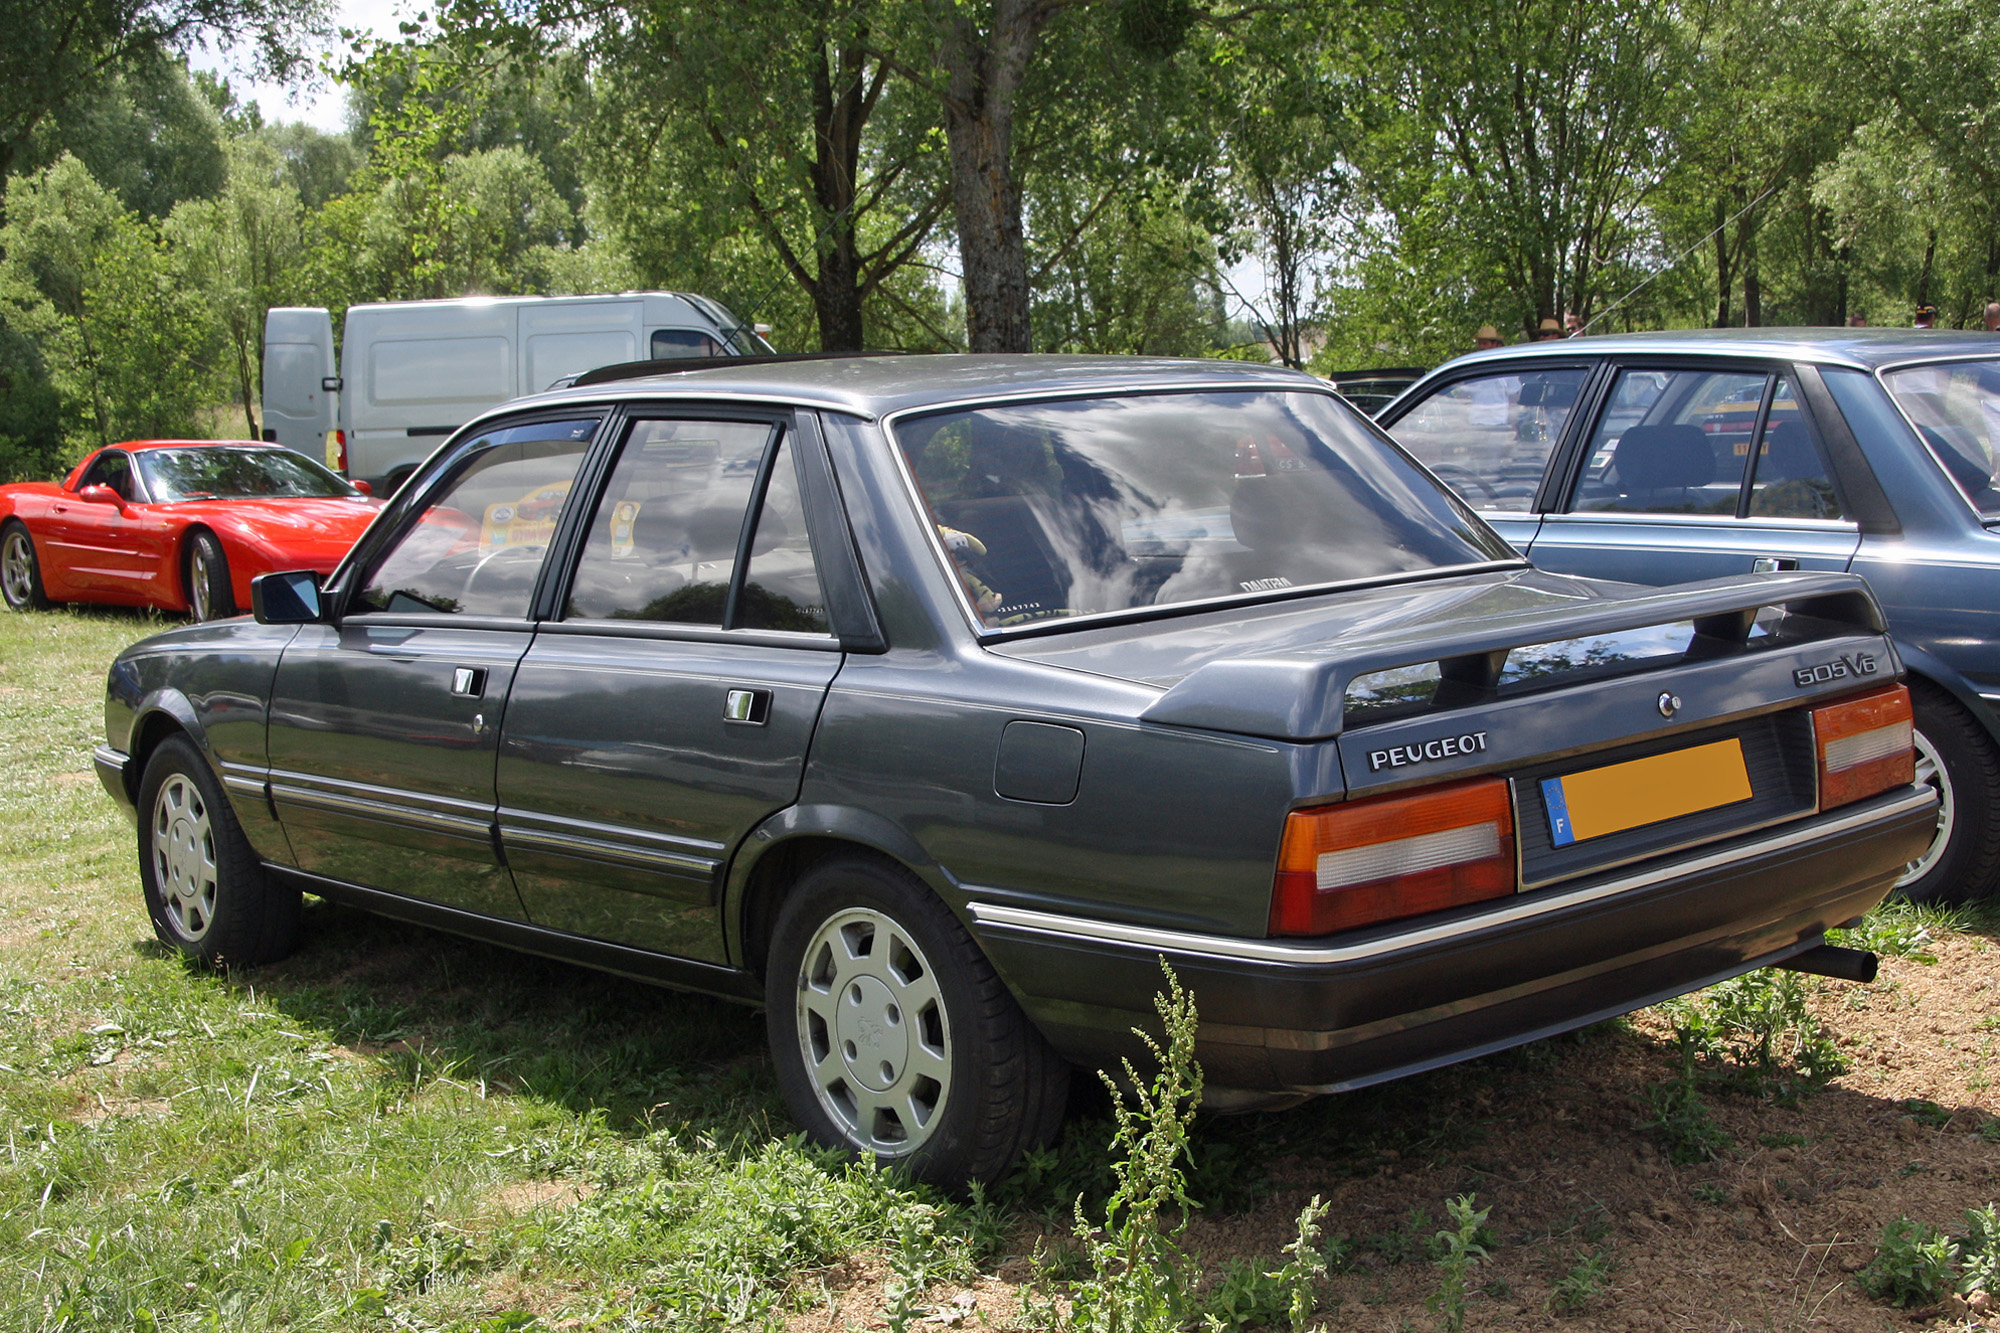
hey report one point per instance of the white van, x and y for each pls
(412, 372)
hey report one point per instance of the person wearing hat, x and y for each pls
(1548, 330)
(1487, 339)
(1926, 316)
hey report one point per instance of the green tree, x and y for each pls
(56, 55)
(129, 345)
(147, 133)
(243, 252)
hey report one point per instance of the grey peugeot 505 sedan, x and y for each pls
(930, 702)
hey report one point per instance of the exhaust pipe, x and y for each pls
(1830, 960)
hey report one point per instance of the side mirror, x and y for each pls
(101, 494)
(290, 597)
(362, 486)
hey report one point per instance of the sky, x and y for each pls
(317, 100)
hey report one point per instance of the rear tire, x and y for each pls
(892, 1034)
(209, 593)
(205, 888)
(1958, 759)
(20, 572)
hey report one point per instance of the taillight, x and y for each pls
(1342, 866)
(336, 450)
(1864, 746)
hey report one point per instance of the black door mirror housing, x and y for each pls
(289, 597)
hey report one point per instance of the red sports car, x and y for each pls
(179, 524)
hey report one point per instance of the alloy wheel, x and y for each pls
(183, 850)
(17, 569)
(873, 1030)
(1931, 773)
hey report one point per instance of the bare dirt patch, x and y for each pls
(1597, 1228)
(528, 1196)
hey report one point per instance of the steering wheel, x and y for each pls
(499, 559)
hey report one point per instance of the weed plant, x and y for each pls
(1582, 1284)
(1461, 1246)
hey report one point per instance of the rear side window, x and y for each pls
(478, 544)
(1956, 409)
(669, 533)
(1791, 479)
(1672, 442)
(1489, 437)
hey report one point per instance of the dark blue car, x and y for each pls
(1656, 458)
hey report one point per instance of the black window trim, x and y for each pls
(566, 551)
(1586, 394)
(342, 586)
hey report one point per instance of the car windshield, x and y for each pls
(1956, 408)
(1104, 505)
(234, 474)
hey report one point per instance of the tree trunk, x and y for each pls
(1753, 290)
(1724, 274)
(984, 73)
(841, 113)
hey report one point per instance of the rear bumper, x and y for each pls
(110, 765)
(1288, 1016)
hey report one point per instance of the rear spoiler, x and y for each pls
(1299, 695)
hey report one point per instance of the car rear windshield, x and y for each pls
(235, 474)
(1956, 408)
(1088, 507)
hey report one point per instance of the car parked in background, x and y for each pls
(931, 701)
(1655, 458)
(183, 525)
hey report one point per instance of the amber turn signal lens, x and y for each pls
(1342, 866)
(1864, 746)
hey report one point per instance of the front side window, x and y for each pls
(1091, 506)
(476, 549)
(111, 468)
(1489, 437)
(1672, 442)
(1956, 409)
(234, 474)
(665, 542)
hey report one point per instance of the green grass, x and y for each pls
(394, 1129)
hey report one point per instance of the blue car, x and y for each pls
(1658, 458)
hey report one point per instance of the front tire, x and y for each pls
(1958, 759)
(892, 1035)
(205, 888)
(209, 594)
(20, 573)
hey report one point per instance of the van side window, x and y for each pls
(670, 343)
(664, 541)
(477, 547)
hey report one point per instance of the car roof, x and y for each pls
(1862, 349)
(874, 386)
(135, 445)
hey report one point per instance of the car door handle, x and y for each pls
(468, 682)
(749, 708)
(1772, 564)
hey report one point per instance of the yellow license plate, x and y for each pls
(1612, 799)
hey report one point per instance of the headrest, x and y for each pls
(1658, 458)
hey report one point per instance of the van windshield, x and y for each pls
(211, 473)
(1093, 506)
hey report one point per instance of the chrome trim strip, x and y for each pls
(1272, 951)
(104, 756)
(244, 785)
(1720, 522)
(622, 853)
(393, 812)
